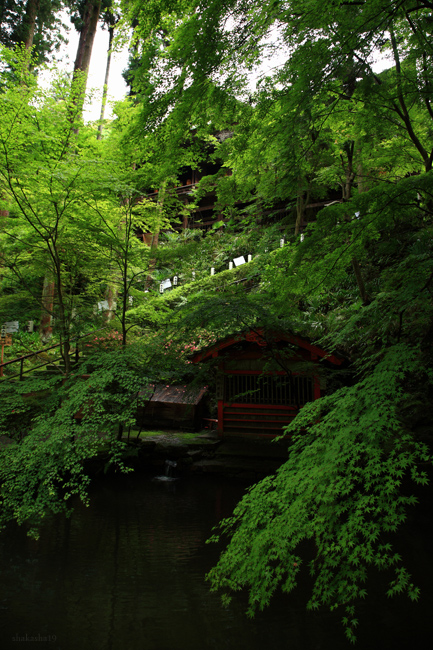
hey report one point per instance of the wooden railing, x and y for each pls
(48, 362)
(256, 388)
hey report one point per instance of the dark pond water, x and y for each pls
(127, 573)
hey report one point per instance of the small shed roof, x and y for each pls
(167, 394)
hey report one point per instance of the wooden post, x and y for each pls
(5, 340)
(2, 352)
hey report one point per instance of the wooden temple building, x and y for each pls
(264, 379)
(179, 407)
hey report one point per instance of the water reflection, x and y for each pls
(127, 573)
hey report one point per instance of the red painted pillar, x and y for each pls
(220, 418)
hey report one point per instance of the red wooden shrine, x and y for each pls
(264, 379)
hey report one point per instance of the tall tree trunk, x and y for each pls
(350, 174)
(87, 35)
(45, 327)
(105, 90)
(84, 52)
(360, 281)
(301, 202)
(362, 179)
(347, 193)
(64, 329)
(125, 286)
(29, 22)
(155, 235)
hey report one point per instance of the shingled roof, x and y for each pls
(177, 394)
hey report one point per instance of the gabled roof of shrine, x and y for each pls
(263, 339)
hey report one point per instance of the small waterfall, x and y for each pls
(169, 465)
(168, 472)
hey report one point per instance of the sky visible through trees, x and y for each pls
(117, 87)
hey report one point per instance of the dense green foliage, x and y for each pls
(319, 148)
(40, 472)
(342, 489)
